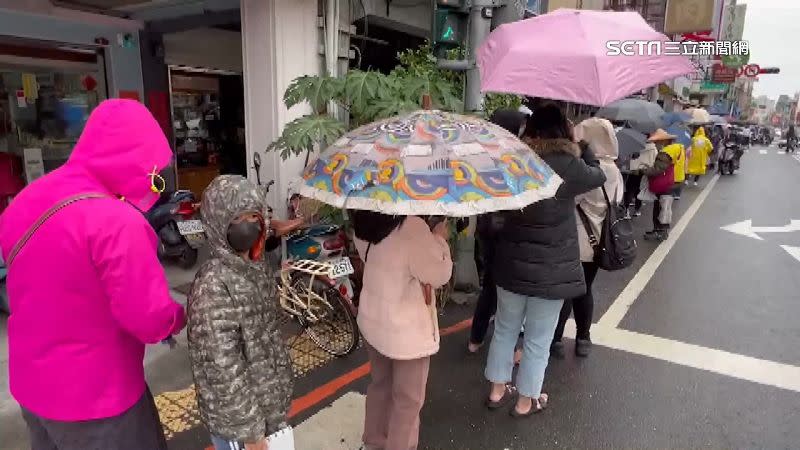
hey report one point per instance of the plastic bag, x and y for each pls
(644, 191)
(665, 215)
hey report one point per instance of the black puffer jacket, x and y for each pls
(537, 251)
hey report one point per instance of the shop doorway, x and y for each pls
(208, 126)
(207, 103)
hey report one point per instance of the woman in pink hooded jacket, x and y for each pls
(87, 291)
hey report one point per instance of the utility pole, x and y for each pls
(480, 25)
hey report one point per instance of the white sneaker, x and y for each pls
(695, 183)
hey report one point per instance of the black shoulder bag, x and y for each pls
(616, 248)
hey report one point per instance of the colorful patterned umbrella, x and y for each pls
(429, 163)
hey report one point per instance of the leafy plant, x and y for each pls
(493, 102)
(366, 96)
(303, 134)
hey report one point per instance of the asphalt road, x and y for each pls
(700, 349)
(696, 346)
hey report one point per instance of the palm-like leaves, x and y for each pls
(300, 135)
(368, 96)
(317, 91)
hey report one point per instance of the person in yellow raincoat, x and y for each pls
(677, 152)
(698, 157)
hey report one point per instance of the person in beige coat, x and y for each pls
(599, 135)
(404, 261)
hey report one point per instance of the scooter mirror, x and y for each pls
(257, 166)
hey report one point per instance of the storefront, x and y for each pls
(56, 66)
(47, 91)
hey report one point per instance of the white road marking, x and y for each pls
(763, 152)
(608, 334)
(793, 251)
(757, 370)
(746, 228)
(616, 312)
(336, 427)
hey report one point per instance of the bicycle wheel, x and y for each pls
(333, 327)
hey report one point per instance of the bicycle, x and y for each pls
(308, 294)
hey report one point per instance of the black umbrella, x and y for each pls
(630, 143)
(640, 115)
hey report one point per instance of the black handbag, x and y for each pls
(616, 247)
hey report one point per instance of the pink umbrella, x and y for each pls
(563, 55)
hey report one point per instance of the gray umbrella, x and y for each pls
(640, 115)
(631, 143)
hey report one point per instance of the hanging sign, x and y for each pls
(723, 74)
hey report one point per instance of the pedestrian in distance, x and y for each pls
(405, 259)
(791, 139)
(541, 265)
(701, 151)
(86, 289)
(591, 210)
(663, 182)
(485, 308)
(681, 163)
(633, 179)
(240, 362)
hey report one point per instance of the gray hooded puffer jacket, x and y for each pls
(240, 362)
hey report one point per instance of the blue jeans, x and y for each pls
(221, 443)
(540, 317)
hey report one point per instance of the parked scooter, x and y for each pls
(179, 229)
(729, 158)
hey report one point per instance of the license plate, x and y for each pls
(188, 227)
(341, 268)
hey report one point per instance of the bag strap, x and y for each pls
(605, 194)
(43, 218)
(588, 226)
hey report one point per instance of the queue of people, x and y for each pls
(94, 337)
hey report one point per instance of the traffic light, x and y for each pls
(450, 20)
(770, 70)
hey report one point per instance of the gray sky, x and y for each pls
(773, 29)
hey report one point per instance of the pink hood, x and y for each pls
(87, 291)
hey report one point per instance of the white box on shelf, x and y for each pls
(34, 165)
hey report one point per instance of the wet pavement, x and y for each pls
(696, 346)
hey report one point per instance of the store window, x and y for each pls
(46, 96)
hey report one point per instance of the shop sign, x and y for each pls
(709, 87)
(722, 74)
(684, 16)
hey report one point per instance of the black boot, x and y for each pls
(583, 347)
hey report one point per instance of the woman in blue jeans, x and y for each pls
(541, 265)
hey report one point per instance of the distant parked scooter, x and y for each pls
(180, 231)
